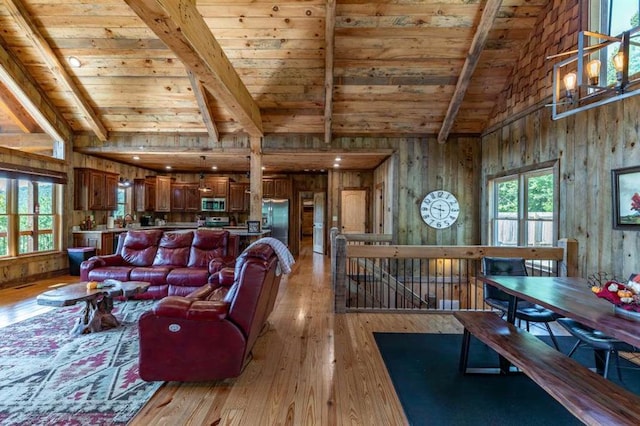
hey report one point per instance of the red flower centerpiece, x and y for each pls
(624, 296)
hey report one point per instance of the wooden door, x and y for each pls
(319, 201)
(353, 211)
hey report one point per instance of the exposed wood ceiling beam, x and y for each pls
(205, 109)
(34, 101)
(330, 25)
(10, 105)
(477, 45)
(21, 16)
(33, 142)
(181, 27)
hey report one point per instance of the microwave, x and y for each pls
(214, 204)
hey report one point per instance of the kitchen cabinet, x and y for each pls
(219, 186)
(94, 190)
(192, 197)
(239, 197)
(276, 188)
(185, 197)
(145, 194)
(163, 194)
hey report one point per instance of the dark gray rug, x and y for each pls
(424, 371)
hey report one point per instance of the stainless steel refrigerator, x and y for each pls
(275, 217)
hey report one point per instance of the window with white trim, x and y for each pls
(524, 209)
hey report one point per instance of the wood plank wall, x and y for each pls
(424, 165)
(588, 146)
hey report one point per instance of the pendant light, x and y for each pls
(201, 186)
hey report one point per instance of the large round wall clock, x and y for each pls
(439, 209)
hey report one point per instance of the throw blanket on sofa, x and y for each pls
(285, 258)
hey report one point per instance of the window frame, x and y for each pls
(522, 175)
(597, 17)
(13, 213)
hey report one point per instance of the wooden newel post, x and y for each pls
(340, 283)
(569, 266)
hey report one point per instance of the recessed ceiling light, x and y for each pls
(167, 167)
(336, 165)
(338, 159)
(74, 62)
(135, 157)
(264, 168)
(214, 167)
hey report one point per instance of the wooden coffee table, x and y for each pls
(96, 316)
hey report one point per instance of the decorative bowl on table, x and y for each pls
(624, 296)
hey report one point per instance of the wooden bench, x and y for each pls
(587, 395)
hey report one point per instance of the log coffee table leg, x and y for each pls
(96, 316)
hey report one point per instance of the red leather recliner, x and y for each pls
(208, 335)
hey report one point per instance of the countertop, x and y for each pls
(236, 230)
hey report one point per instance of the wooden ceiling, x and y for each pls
(261, 68)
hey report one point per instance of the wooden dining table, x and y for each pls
(571, 297)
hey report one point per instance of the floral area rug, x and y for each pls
(49, 377)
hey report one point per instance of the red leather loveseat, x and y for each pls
(209, 334)
(174, 262)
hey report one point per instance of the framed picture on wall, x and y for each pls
(626, 198)
(253, 226)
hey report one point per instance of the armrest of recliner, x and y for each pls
(218, 263)
(184, 308)
(108, 260)
(97, 262)
(224, 277)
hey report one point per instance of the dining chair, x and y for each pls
(603, 346)
(498, 299)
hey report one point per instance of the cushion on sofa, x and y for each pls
(174, 249)
(140, 247)
(207, 245)
(152, 274)
(188, 276)
(120, 273)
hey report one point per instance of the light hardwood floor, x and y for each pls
(311, 367)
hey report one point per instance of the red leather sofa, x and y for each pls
(174, 262)
(208, 335)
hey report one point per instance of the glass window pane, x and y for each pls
(45, 242)
(3, 195)
(507, 199)
(540, 197)
(45, 198)
(45, 223)
(539, 233)
(25, 240)
(25, 197)
(4, 247)
(624, 15)
(506, 232)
